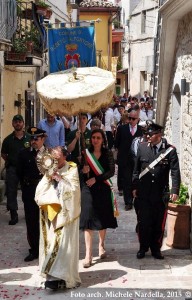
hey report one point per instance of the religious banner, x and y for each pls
(71, 47)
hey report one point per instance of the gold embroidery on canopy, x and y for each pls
(93, 103)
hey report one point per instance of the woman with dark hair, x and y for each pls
(98, 205)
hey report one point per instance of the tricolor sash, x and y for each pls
(98, 170)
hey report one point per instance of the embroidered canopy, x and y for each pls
(78, 90)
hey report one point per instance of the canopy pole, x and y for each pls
(82, 145)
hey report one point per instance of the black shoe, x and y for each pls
(140, 254)
(128, 207)
(157, 255)
(30, 257)
(120, 193)
(14, 217)
(55, 284)
(14, 221)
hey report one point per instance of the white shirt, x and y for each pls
(150, 114)
(89, 121)
(117, 115)
(146, 116)
(142, 115)
(73, 124)
(109, 119)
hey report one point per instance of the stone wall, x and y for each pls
(182, 69)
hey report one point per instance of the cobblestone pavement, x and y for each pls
(120, 276)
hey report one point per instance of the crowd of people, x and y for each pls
(78, 194)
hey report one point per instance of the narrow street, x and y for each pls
(122, 63)
(120, 276)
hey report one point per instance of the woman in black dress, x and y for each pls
(97, 203)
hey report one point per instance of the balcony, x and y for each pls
(117, 35)
(29, 40)
(8, 23)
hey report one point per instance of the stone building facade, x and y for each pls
(141, 34)
(178, 119)
(174, 102)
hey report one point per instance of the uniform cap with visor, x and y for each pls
(36, 132)
(153, 128)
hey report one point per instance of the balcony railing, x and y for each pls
(29, 38)
(8, 19)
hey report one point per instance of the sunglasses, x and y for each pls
(152, 133)
(131, 118)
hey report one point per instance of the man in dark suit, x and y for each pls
(151, 187)
(30, 176)
(124, 137)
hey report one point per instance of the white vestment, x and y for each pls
(59, 204)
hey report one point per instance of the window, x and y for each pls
(118, 90)
(143, 21)
(118, 81)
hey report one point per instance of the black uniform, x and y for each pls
(125, 159)
(151, 191)
(30, 176)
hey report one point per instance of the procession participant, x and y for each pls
(155, 159)
(145, 96)
(109, 124)
(124, 137)
(78, 139)
(29, 177)
(95, 124)
(58, 197)
(55, 131)
(11, 147)
(98, 207)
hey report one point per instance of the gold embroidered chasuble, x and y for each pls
(59, 204)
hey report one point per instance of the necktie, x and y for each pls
(35, 152)
(155, 150)
(132, 131)
(103, 119)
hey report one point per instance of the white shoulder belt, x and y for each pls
(155, 162)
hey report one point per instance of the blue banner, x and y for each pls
(70, 47)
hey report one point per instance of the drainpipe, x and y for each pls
(109, 40)
(110, 21)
